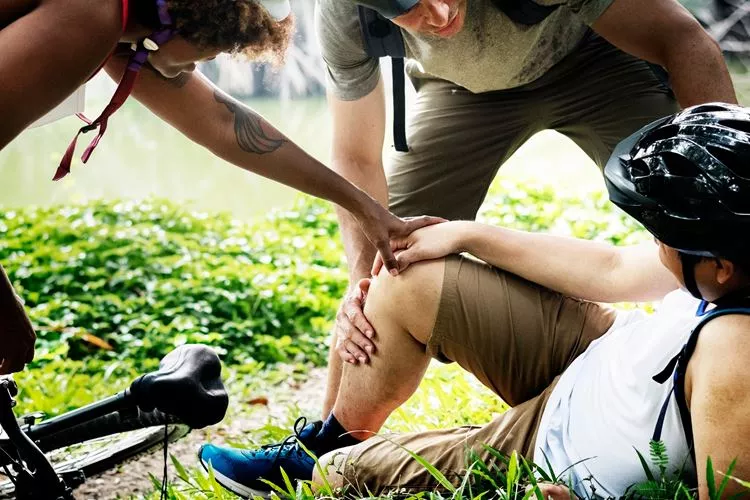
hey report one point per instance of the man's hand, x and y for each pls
(17, 336)
(382, 227)
(354, 334)
(429, 243)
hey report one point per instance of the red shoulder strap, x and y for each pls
(125, 12)
(122, 93)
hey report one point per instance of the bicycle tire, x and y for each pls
(96, 446)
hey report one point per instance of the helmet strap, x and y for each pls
(689, 262)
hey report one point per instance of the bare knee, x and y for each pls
(411, 298)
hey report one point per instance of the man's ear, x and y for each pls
(725, 269)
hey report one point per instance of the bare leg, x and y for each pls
(402, 310)
(333, 379)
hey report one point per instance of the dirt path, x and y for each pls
(131, 480)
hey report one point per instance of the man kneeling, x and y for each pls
(586, 384)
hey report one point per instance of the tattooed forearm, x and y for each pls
(249, 130)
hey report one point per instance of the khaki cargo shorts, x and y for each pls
(516, 337)
(596, 96)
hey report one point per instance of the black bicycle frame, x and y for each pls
(41, 481)
(118, 402)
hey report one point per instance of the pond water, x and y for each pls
(141, 157)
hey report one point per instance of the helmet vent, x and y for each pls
(709, 108)
(639, 168)
(663, 133)
(731, 160)
(679, 166)
(739, 125)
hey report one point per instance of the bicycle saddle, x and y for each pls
(187, 385)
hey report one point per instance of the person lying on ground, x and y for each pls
(52, 47)
(587, 386)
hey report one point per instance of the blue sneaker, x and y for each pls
(241, 471)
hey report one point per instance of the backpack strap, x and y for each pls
(382, 38)
(677, 367)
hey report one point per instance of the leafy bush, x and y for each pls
(131, 280)
(539, 208)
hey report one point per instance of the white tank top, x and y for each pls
(606, 404)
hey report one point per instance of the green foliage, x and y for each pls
(63, 385)
(134, 280)
(659, 457)
(540, 208)
(448, 397)
(664, 485)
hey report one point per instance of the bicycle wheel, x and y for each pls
(102, 443)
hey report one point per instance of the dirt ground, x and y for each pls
(131, 480)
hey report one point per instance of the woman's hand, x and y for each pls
(17, 336)
(384, 230)
(428, 243)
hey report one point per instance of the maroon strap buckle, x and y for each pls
(121, 94)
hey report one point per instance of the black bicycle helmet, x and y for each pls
(686, 178)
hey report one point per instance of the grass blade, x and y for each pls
(439, 476)
(725, 481)
(511, 479)
(326, 490)
(710, 480)
(644, 464)
(181, 472)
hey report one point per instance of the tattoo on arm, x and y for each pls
(248, 128)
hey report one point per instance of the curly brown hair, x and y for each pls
(240, 27)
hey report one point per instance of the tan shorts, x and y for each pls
(596, 96)
(517, 338)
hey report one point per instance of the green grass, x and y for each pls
(116, 272)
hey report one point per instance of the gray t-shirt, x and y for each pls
(490, 53)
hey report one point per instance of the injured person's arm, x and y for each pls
(578, 268)
(719, 402)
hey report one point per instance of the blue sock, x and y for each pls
(332, 436)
